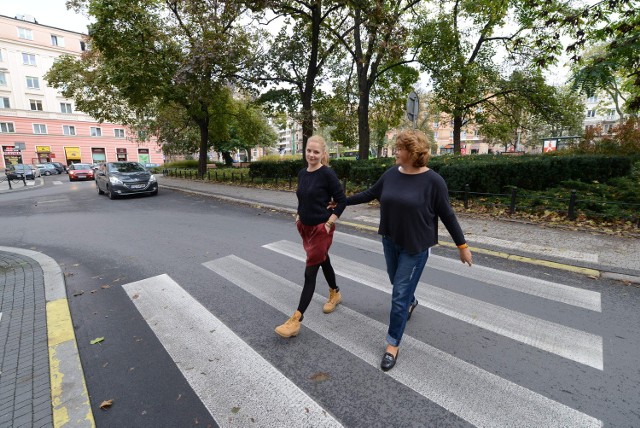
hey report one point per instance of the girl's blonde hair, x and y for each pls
(415, 142)
(324, 160)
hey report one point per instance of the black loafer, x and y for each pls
(388, 361)
(411, 308)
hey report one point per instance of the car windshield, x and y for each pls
(81, 166)
(126, 167)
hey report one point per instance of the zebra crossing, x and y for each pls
(269, 398)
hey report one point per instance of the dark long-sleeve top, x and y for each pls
(410, 205)
(315, 190)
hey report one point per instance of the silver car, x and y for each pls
(124, 178)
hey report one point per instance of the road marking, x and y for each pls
(574, 296)
(237, 385)
(480, 397)
(566, 342)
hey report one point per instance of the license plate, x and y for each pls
(82, 176)
(138, 186)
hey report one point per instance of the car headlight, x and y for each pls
(114, 180)
(152, 179)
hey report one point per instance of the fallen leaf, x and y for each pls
(68, 274)
(97, 340)
(93, 291)
(235, 410)
(105, 286)
(77, 264)
(79, 293)
(135, 296)
(592, 276)
(106, 404)
(319, 377)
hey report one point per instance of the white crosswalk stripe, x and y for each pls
(536, 287)
(234, 382)
(480, 397)
(567, 342)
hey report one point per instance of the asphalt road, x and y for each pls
(186, 291)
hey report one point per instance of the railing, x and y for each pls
(17, 180)
(516, 200)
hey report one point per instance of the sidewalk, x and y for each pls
(584, 252)
(18, 185)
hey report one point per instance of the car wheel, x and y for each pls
(111, 194)
(100, 192)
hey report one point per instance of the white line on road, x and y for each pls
(564, 341)
(237, 385)
(480, 397)
(574, 296)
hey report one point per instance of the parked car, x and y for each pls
(16, 171)
(60, 167)
(124, 178)
(80, 171)
(47, 169)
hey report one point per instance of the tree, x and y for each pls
(161, 53)
(459, 49)
(536, 110)
(605, 48)
(299, 53)
(376, 45)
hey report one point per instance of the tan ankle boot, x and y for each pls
(334, 298)
(291, 327)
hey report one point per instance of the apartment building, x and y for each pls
(37, 124)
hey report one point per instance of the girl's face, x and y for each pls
(314, 153)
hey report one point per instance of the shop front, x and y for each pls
(43, 153)
(12, 155)
(143, 156)
(121, 154)
(98, 154)
(73, 155)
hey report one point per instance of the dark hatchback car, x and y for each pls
(124, 178)
(17, 171)
(61, 168)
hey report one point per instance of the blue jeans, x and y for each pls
(404, 271)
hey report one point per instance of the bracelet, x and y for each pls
(463, 246)
(329, 223)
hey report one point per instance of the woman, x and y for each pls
(318, 185)
(412, 198)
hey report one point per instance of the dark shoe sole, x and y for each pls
(411, 308)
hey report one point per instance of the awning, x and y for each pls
(72, 153)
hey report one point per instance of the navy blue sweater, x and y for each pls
(315, 190)
(410, 205)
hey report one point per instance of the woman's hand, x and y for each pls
(465, 256)
(332, 205)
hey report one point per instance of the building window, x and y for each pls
(57, 40)
(28, 59)
(592, 99)
(25, 33)
(68, 130)
(33, 82)
(7, 127)
(96, 132)
(66, 108)
(4, 102)
(3, 78)
(39, 128)
(591, 113)
(118, 133)
(83, 46)
(36, 105)
(611, 113)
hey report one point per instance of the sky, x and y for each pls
(47, 12)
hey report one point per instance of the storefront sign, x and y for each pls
(72, 153)
(43, 149)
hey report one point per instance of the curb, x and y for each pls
(69, 396)
(590, 272)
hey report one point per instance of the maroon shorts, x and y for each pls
(316, 242)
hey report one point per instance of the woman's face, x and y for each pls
(402, 156)
(314, 153)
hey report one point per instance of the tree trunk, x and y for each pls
(228, 160)
(203, 124)
(457, 128)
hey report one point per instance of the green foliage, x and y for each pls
(281, 169)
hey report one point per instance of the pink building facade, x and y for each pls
(37, 124)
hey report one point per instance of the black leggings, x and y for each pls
(310, 274)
